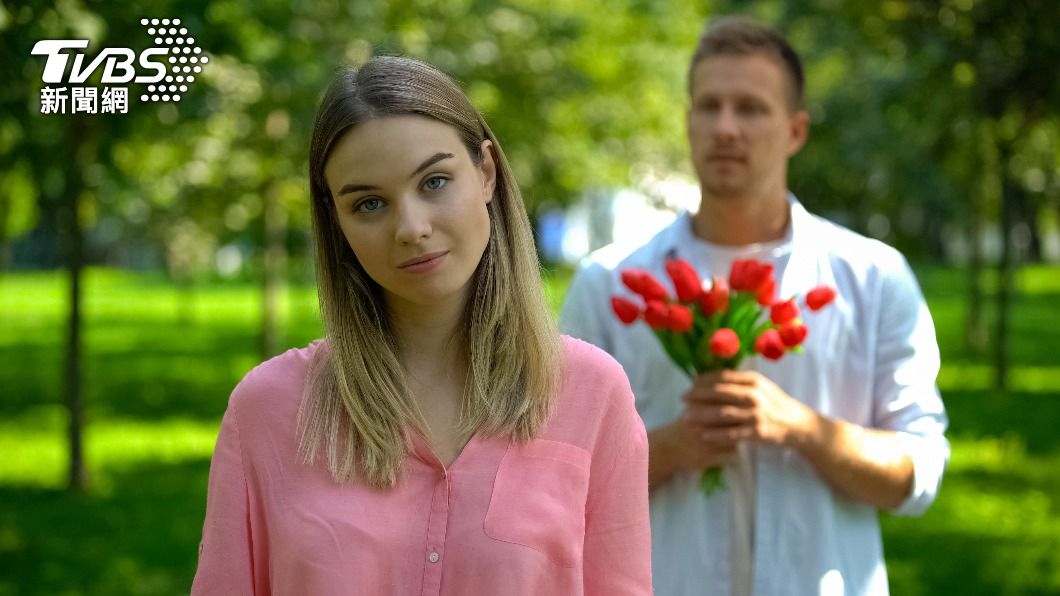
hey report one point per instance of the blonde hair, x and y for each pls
(357, 407)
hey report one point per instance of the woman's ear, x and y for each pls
(489, 169)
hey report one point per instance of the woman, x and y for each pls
(443, 438)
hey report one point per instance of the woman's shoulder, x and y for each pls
(589, 370)
(275, 381)
(594, 400)
(588, 358)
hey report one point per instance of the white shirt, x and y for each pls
(870, 358)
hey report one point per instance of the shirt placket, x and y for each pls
(434, 555)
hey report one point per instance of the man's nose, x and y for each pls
(726, 126)
(414, 222)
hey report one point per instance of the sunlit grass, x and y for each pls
(35, 455)
(965, 376)
(159, 363)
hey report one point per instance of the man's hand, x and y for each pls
(869, 465)
(722, 409)
(681, 446)
(731, 406)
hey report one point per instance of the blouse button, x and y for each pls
(433, 558)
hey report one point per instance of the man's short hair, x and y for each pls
(741, 36)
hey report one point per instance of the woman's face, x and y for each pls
(412, 205)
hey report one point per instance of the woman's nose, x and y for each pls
(414, 223)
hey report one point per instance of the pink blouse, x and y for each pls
(566, 513)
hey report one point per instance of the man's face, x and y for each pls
(741, 128)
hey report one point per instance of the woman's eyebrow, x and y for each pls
(356, 188)
(430, 161)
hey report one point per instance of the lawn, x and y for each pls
(159, 365)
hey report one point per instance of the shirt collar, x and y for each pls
(682, 235)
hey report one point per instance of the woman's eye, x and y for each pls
(436, 183)
(369, 205)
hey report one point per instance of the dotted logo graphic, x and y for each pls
(185, 59)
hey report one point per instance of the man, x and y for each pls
(813, 445)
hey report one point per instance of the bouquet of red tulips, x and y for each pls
(713, 327)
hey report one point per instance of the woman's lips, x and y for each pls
(424, 263)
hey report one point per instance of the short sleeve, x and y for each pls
(225, 563)
(617, 551)
(907, 399)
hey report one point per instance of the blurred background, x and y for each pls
(149, 259)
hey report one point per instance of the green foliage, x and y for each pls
(577, 94)
(918, 107)
(911, 102)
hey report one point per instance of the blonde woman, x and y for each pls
(442, 438)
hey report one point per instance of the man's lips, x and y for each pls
(422, 259)
(726, 157)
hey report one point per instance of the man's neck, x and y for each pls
(740, 221)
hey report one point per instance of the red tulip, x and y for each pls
(770, 345)
(679, 318)
(819, 297)
(642, 282)
(686, 280)
(748, 275)
(725, 343)
(657, 315)
(783, 312)
(716, 299)
(793, 335)
(767, 292)
(626, 310)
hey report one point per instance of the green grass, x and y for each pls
(160, 363)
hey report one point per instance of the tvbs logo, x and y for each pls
(118, 63)
(173, 62)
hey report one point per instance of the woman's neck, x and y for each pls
(428, 339)
(434, 359)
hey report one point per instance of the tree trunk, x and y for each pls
(1029, 215)
(1006, 280)
(932, 235)
(70, 225)
(272, 280)
(984, 159)
(975, 334)
(5, 242)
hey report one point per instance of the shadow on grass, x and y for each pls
(151, 372)
(987, 534)
(1031, 417)
(1030, 342)
(929, 563)
(140, 537)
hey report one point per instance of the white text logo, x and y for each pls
(174, 61)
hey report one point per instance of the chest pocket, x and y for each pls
(539, 497)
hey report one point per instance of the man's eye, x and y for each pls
(436, 183)
(369, 205)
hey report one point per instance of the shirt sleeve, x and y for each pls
(907, 399)
(225, 565)
(617, 550)
(587, 301)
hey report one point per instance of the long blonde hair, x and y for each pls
(357, 406)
